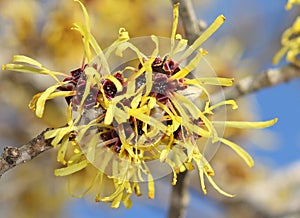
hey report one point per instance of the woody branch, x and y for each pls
(14, 156)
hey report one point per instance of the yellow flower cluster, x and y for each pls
(290, 40)
(290, 3)
(121, 121)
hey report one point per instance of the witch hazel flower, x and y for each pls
(290, 4)
(290, 40)
(136, 111)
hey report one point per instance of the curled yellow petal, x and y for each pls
(40, 104)
(240, 151)
(182, 44)
(290, 42)
(85, 39)
(125, 45)
(208, 109)
(116, 82)
(212, 182)
(123, 35)
(33, 103)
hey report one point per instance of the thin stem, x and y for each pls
(256, 82)
(179, 197)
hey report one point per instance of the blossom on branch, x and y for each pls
(290, 40)
(134, 111)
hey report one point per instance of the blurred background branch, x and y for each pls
(179, 196)
(269, 190)
(258, 81)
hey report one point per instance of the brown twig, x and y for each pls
(13, 156)
(256, 82)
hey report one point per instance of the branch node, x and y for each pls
(11, 155)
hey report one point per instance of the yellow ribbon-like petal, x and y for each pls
(246, 125)
(89, 40)
(209, 109)
(40, 104)
(190, 66)
(240, 151)
(62, 150)
(212, 81)
(71, 169)
(203, 37)
(174, 27)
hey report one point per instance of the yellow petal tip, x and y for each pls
(223, 17)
